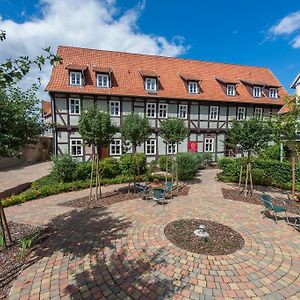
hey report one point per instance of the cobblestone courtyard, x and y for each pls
(121, 252)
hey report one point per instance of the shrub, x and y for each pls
(271, 153)
(84, 170)
(270, 172)
(153, 166)
(204, 159)
(163, 162)
(188, 165)
(64, 168)
(126, 163)
(109, 167)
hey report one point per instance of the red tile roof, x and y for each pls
(126, 69)
(46, 106)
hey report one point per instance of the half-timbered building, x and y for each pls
(206, 95)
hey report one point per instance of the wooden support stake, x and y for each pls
(293, 178)
(91, 184)
(246, 182)
(241, 175)
(250, 177)
(6, 232)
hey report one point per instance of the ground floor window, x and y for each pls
(171, 148)
(209, 144)
(116, 147)
(76, 147)
(151, 147)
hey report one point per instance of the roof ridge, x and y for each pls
(164, 56)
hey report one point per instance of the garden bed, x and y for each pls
(222, 239)
(116, 196)
(12, 259)
(236, 195)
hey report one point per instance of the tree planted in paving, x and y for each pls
(135, 131)
(250, 136)
(173, 132)
(97, 129)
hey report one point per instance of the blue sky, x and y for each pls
(226, 31)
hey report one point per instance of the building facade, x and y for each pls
(206, 95)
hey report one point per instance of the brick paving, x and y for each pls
(121, 252)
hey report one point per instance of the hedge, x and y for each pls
(265, 172)
(40, 188)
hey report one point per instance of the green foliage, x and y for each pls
(2, 243)
(274, 173)
(13, 70)
(83, 171)
(173, 130)
(64, 168)
(163, 162)
(25, 244)
(126, 163)
(271, 152)
(20, 120)
(188, 165)
(109, 167)
(96, 128)
(154, 167)
(251, 135)
(204, 159)
(135, 130)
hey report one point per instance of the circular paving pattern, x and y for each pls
(221, 240)
(123, 253)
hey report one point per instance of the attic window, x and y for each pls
(75, 78)
(193, 87)
(151, 84)
(273, 93)
(103, 81)
(230, 90)
(257, 91)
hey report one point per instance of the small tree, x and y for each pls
(135, 130)
(250, 136)
(173, 132)
(96, 128)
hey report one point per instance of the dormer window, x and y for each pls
(75, 78)
(193, 87)
(257, 91)
(273, 93)
(230, 90)
(103, 81)
(151, 84)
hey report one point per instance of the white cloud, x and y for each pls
(90, 23)
(286, 25)
(296, 42)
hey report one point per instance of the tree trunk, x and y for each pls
(4, 226)
(134, 167)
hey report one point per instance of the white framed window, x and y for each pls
(151, 84)
(171, 148)
(214, 113)
(241, 113)
(115, 147)
(193, 87)
(114, 107)
(163, 110)
(75, 78)
(273, 93)
(76, 147)
(209, 144)
(151, 110)
(151, 147)
(230, 90)
(257, 91)
(258, 113)
(182, 111)
(74, 106)
(103, 80)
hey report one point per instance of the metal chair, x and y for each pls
(268, 206)
(168, 188)
(144, 190)
(159, 195)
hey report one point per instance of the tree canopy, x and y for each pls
(173, 131)
(135, 130)
(250, 135)
(20, 119)
(96, 128)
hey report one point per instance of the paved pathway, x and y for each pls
(13, 177)
(122, 253)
